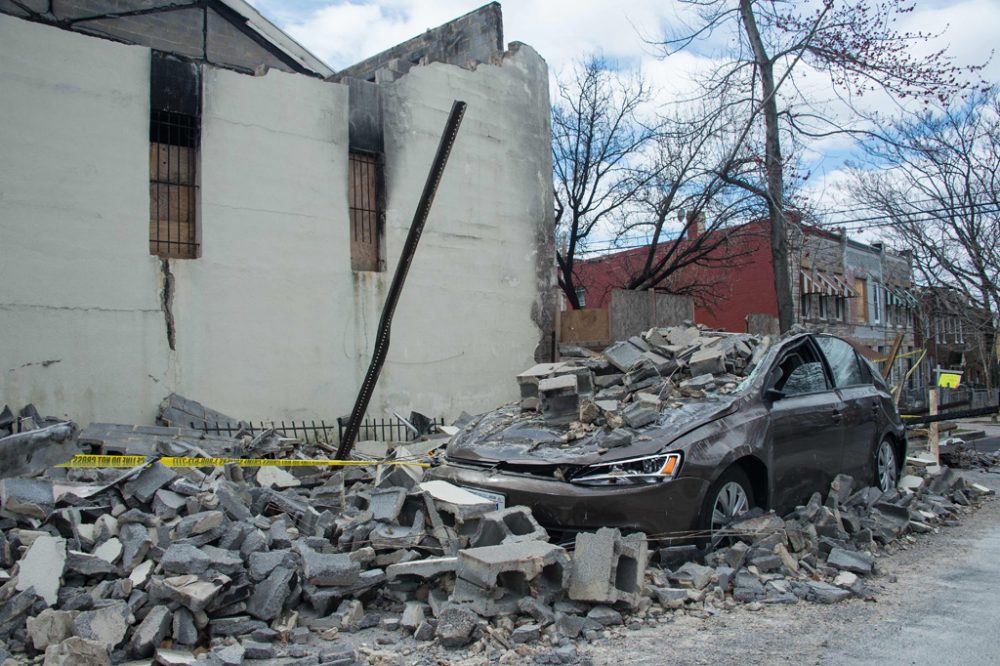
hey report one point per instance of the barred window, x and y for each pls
(174, 133)
(366, 211)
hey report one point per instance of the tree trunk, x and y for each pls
(774, 168)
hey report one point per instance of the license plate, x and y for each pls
(496, 498)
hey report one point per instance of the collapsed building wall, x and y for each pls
(269, 320)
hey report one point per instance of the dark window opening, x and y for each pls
(365, 207)
(174, 132)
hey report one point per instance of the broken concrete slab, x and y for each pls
(30, 453)
(50, 627)
(106, 625)
(28, 498)
(41, 568)
(77, 651)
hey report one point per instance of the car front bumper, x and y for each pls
(666, 511)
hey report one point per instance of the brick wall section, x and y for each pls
(474, 38)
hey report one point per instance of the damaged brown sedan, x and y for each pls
(658, 445)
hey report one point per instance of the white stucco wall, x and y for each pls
(270, 321)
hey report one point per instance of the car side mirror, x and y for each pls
(773, 394)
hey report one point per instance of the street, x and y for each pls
(942, 609)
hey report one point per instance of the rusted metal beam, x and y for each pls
(402, 268)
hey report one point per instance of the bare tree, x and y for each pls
(693, 218)
(620, 170)
(935, 183)
(775, 45)
(599, 137)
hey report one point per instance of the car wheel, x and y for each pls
(730, 496)
(886, 466)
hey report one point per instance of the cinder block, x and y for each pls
(492, 580)
(608, 568)
(559, 398)
(513, 525)
(386, 504)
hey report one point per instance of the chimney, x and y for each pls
(695, 224)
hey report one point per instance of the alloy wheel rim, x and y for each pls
(886, 467)
(731, 501)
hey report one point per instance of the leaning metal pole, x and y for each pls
(402, 268)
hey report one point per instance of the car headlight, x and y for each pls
(631, 471)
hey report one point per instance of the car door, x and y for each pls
(805, 414)
(861, 405)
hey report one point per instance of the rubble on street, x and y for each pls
(369, 563)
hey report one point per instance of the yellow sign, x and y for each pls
(124, 462)
(949, 379)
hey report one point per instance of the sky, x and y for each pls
(342, 33)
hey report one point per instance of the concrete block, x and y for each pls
(182, 559)
(184, 631)
(151, 631)
(559, 399)
(224, 561)
(511, 525)
(707, 361)
(77, 651)
(413, 616)
(639, 415)
(623, 355)
(846, 560)
(199, 523)
(188, 590)
(26, 498)
(106, 625)
(494, 578)
(608, 568)
(275, 477)
(109, 551)
(693, 575)
(42, 568)
(323, 569)
(528, 381)
(167, 504)
(386, 504)
(459, 502)
(426, 568)
(50, 627)
(455, 626)
(135, 544)
(144, 486)
(269, 595)
(87, 564)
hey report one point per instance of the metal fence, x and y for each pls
(306, 431)
(382, 429)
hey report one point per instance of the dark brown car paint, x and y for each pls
(790, 447)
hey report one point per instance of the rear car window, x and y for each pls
(843, 362)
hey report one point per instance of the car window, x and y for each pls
(806, 378)
(799, 371)
(843, 362)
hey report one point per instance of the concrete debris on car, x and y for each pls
(337, 565)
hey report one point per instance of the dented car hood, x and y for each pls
(508, 437)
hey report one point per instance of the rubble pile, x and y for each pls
(957, 454)
(632, 381)
(820, 552)
(291, 564)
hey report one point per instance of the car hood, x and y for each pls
(508, 437)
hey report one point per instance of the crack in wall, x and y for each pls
(167, 302)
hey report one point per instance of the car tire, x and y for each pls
(885, 466)
(729, 496)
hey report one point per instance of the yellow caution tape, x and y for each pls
(122, 462)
